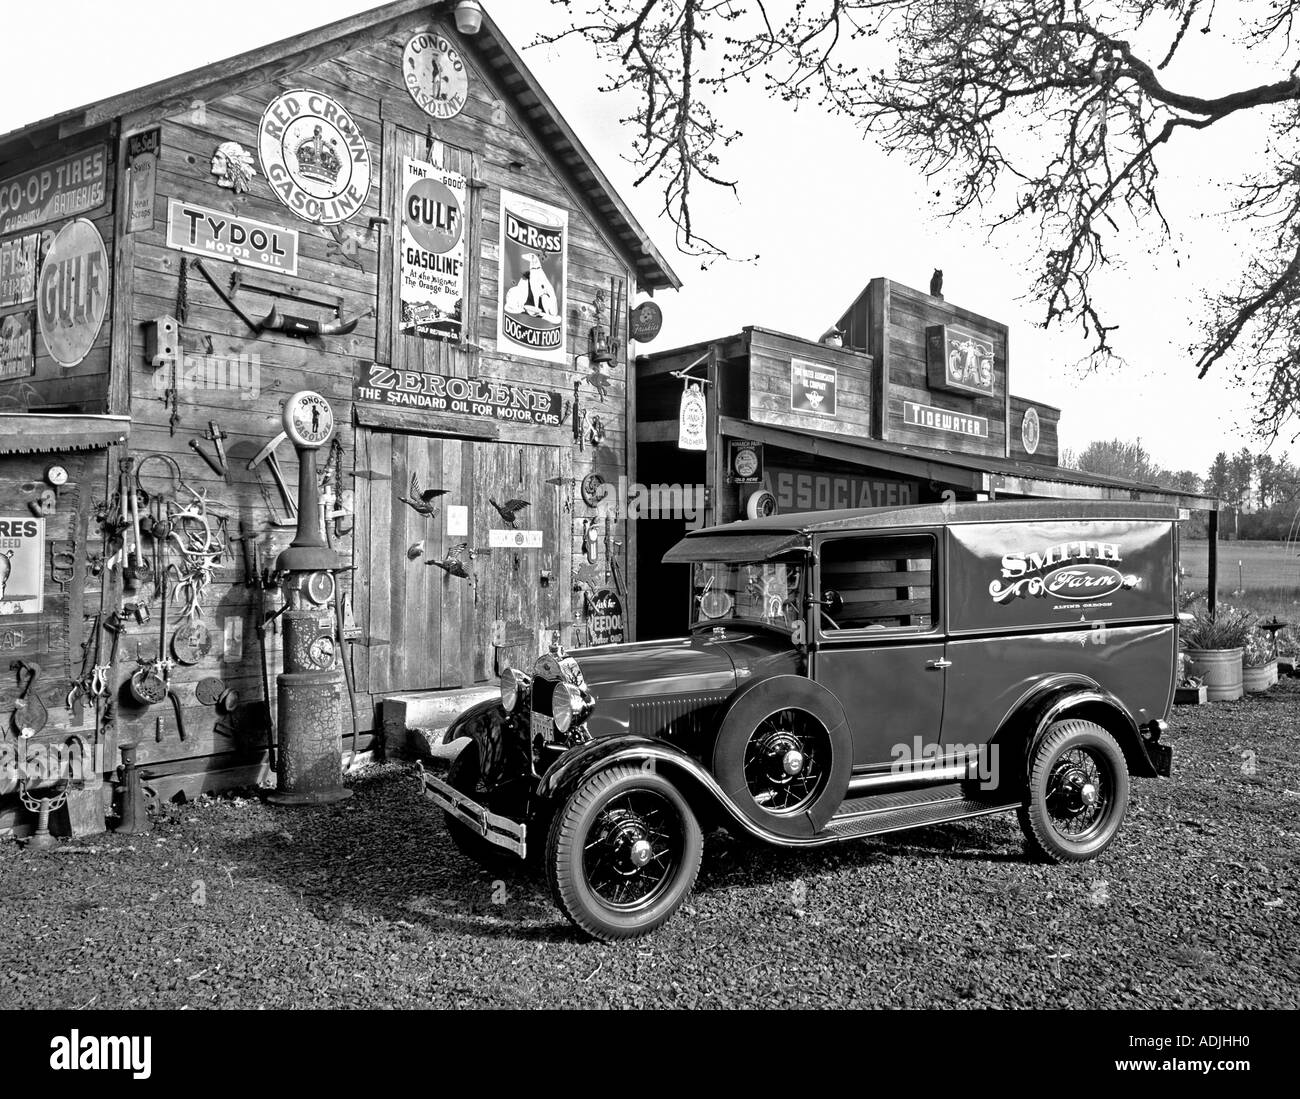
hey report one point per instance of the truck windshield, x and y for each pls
(769, 593)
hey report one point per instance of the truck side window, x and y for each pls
(882, 583)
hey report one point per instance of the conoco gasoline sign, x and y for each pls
(532, 278)
(72, 295)
(314, 156)
(435, 75)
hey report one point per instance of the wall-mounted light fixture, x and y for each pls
(469, 16)
(600, 348)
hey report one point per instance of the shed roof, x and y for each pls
(488, 48)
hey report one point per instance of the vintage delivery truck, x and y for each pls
(847, 674)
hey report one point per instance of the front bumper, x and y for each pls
(493, 827)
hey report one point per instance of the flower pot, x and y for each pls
(1260, 678)
(1220, 670)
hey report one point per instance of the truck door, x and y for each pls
(880, 645)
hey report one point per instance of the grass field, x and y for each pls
(1271, 566)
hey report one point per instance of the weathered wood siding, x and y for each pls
(1049, 420)
(770, 357)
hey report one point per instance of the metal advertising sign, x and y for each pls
(233, 237)
(500, 538)
(959, 360)
(314, 156)
(142, 152)
(744, 462)
(485, 397)
(72, 298)
(533, 269)
(433, 250)
(1030, 430)
(647, 319)
(607, 622)
(941, 419)
(812, 388)
(808, 490)
(18, 269)
(68, 187)
(435, 75)
(692, 419)
(22, 556)
(17, 346)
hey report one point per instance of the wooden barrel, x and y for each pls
(1220, 670)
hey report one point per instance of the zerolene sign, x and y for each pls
(433, 250)
(314, 156)
(533, 269)
(435, 75)
(72, 292)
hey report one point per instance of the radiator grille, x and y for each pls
(679, 718)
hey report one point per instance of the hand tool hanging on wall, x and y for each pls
(29, 716)
(83, 686)
(267, 455)
(212, 463)
(577, 415)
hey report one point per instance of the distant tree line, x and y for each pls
(1260, 492)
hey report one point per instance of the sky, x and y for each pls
(825, 209)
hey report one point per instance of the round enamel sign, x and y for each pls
(1030, 432)
(72, 298)
(435, 75)
(433, 215)
(314, 156)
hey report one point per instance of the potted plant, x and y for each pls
(1214, 644)
(1259, 665)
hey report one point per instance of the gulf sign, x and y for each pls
(222, 235)
(72, 292)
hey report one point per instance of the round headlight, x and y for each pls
(566, 703)
(514, 687)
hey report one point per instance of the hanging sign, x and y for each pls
(72, 298)
(941, 419)
(142, 152)
(485, 397)
(17, 346)
(18, 269)
(435, 75)
(647, 319)
(812, 388)
(532, 272)
(68, 187)
(959, 360)
(233, 237)
(692, 419)
(1030, 430)
(22, 556)
(314, 156)
(433, 251)
(607, 622)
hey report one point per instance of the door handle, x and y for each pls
(940, 663)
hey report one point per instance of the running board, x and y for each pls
(873, 816)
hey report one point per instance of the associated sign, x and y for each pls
(940, 419)
(959, 360)
(435, 75)
(812, 388)
(68, 187)
(484, 397)
(72, 297)
(433, 251)
(532, 273)
(18, 269)
(314, 156)
(233, 237)
(22, 555)
(805, 490)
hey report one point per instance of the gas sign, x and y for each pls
(72, 298)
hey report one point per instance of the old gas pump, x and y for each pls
(311, 687)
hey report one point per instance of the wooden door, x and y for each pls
(423, 627)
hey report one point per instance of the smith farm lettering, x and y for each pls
(483, 397)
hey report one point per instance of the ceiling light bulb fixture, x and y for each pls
(469, 16)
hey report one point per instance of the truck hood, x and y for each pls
(697, 664)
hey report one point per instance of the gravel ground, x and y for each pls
(230, 902)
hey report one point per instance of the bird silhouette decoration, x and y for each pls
(422, 501)
(600, 383)
(454, 562)
(509, 510)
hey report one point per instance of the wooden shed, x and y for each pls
(391, 213)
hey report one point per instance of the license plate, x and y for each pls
(542, 725)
